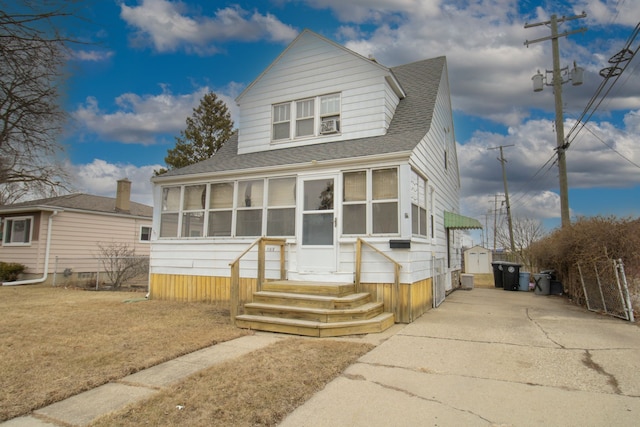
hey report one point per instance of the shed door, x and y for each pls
(317, 252)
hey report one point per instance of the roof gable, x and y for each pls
(421, 81)
(307, 37)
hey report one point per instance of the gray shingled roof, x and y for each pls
(409, 125)
(84, 202)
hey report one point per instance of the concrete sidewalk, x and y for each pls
(491, 357)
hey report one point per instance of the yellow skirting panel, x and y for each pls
(412, 299)
(176, 287)
(408, 303)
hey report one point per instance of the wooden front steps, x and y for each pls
(314, 309)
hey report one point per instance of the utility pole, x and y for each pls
(557, 90)
(502, 161)
(495, 211)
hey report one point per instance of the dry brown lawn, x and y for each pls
(56, 342)
(258, 389)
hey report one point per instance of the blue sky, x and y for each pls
(147, 63)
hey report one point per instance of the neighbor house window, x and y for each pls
(145, 233)
(313, 116)
(249, 208)
(370, 202)
(281, 207)
(17, 231)
(418, 205)
(220, 209)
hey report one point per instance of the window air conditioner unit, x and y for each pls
(329, 126)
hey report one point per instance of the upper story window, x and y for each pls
(313, 116)
(17, 231)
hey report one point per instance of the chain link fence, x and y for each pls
(606, 288)
(102, 272)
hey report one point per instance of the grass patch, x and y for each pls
(258, 389)
(58, 342)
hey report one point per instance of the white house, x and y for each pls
(350, 163)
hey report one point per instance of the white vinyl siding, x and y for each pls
(311, 68)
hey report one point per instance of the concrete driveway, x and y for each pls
(490, 357)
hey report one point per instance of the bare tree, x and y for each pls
(121, 263)
(526, 231)
(33, 52)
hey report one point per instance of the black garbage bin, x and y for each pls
(497, 273)
(511, 276)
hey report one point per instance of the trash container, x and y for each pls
(466, 281)
(542, 284)
(510, 276)
(497, 273)
(556, 288)
(523, 283)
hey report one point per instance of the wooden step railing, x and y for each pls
(262, 243)
(396, 266)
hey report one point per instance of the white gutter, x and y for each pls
(46, 259)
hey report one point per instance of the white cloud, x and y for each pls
(100, 178)
(91, 55)
(171, 26)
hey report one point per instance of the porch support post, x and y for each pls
(261, 264)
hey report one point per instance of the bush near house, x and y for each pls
(9, 271)
(586, 240)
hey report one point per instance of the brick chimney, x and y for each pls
(123, 196)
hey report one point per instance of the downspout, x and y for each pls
(46, 259)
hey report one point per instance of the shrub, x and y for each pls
(9, 271)
(586, 240)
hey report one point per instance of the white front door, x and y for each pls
(317, 249)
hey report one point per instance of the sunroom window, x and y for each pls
(250, 202)
(418, 205)
(385, 201)
(220, 209)
(370, 202)
(354, 203)
(170, 212)
(193, 211)
(281, 209)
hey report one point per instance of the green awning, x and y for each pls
(458, 222)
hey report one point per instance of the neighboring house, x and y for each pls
(331, 147)
(65, 232)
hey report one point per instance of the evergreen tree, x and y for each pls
(207, 129)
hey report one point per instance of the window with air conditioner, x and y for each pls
(306, 118)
